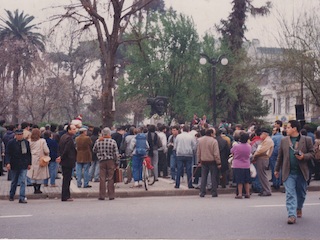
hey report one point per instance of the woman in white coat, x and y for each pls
(38, 148)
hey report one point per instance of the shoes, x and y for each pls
(79, 186)
(238, 197)
(100, 198)
(176, 187)
(11, 199)
(201, 194)
(291, 220)
(37, 192)
(156, 180)
(191, 187)
(247, 196)
(214, 195)
(23, 201)
(299, 213)
(264, 194)
(67, 200)
(89, 186)
(111, 198)
(45, 185)
(53, 185)
(29, 185)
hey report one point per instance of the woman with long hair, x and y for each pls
(38, 148)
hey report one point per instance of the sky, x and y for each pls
(205, 13)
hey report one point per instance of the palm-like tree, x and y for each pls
(19, 51)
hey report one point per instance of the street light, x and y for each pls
(213, 61)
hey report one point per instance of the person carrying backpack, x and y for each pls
(139, 147)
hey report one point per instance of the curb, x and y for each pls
(135, 194)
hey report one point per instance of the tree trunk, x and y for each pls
(15, 99)
(107, 98)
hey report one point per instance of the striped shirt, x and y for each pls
(106, 149)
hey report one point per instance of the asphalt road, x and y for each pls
(188, 217)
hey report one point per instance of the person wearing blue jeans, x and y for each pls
(181, 161)
(84, 158)
(94, 171)
(185, 145)
(53, 147)
(53, 173)
(276, 138)
(172, 150)
(15, 176)
(294, 153)
(18, 161)
(137, 159)
(137, 168)
(83, 167)
(173, 165)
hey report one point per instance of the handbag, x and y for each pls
(44, 160)
(253, 171)
(118, 176)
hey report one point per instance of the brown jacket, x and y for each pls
(84, 151)
(208, 150)
(283, 161)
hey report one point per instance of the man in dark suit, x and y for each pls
(67, 159)
(294, 153)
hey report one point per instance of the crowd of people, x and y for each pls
(219, 156)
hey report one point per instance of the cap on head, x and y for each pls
(83, 129)
(19, 132)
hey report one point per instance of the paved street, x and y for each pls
(182, 217)
(163, 187)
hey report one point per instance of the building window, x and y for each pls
(279, 105)
(287, 105)
(274, 106)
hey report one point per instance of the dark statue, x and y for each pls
(158, 105)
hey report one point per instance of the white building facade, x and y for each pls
(280, 91)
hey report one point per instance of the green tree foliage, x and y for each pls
(165, 64)
(238, 71)
(234, 28)
(19, 50)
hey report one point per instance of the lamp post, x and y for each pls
(213, 61)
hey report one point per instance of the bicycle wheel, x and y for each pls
(151, 177)
(145, 177)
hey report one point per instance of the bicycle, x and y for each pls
(148, 177)
(126, 165)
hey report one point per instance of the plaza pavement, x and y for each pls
(163, 187)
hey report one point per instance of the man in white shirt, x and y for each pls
(185, 146)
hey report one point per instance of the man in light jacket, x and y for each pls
(208, 154)
(185, 145)
(261, 157)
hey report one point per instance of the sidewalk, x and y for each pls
(163, 187)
